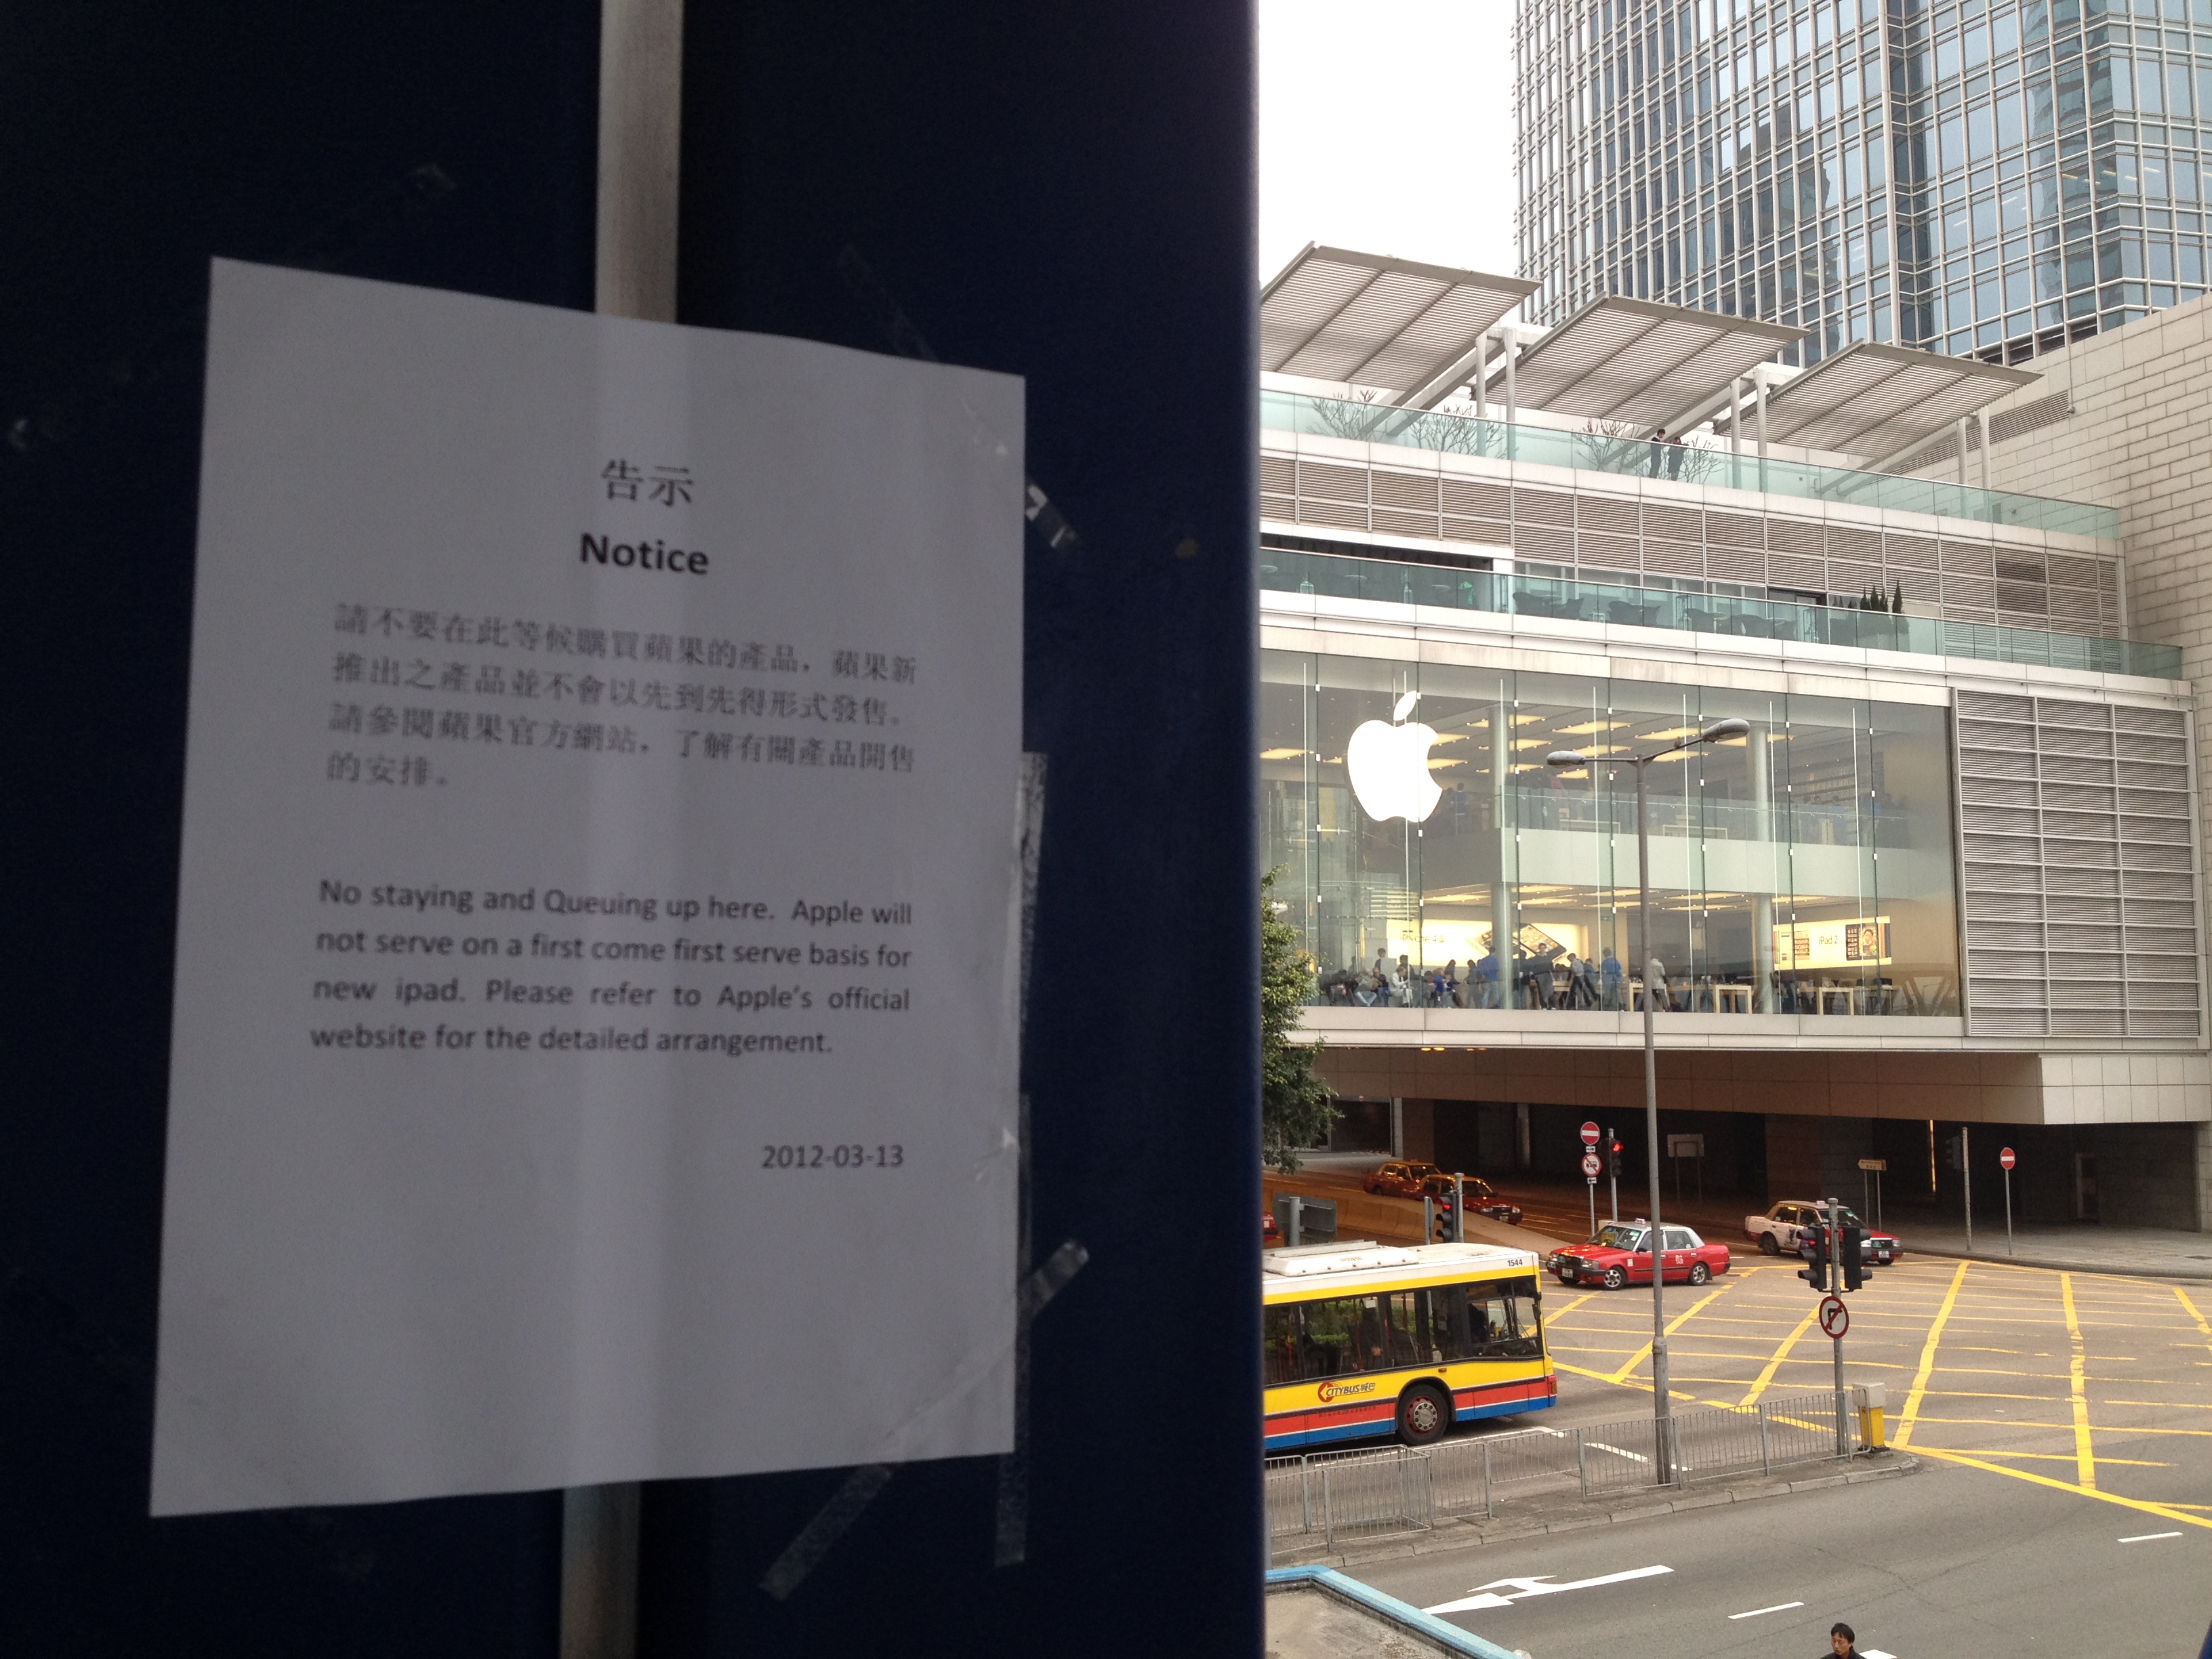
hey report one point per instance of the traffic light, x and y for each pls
(1813, 1245)
(1440, 1231)
(1612, 1152)
(1854, 1245)
(1953, 1153)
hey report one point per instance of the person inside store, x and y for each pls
(1484, 975)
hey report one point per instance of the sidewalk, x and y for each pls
(2086, 1248)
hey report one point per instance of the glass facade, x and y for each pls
(1808, 870)
(1989, 177)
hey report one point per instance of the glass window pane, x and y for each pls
(1280, 1344)
(1524, 1338)
(1366, 853)
(1917, 887)
(1467, 843)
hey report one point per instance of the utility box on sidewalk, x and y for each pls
(1869, 1401)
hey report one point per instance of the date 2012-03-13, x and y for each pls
(851, 1157)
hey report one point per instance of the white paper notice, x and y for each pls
(594, 1050)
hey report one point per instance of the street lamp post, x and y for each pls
(1655, 975)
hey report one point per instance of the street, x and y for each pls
(1952, 1563)
(2055, 1415)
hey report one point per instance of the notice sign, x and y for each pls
(595, 1016)
(1855, 942)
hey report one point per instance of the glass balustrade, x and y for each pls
(1463, 435)
(1290, 571)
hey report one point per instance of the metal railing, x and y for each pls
(1332, 1494)
(1328, 1495)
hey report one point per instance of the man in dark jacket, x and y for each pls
(1840, 1639)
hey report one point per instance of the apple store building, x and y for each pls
(1938, 866)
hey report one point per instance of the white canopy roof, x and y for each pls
(1876, 400)
(1640, 362)
(1408, 329)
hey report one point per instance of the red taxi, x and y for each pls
(1621, 1255)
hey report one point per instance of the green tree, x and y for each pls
(1297, 1109)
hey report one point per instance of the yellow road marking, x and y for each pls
(2161, 1510)
(2171, 1404)
(2054, 1457)
(2202, 1324)
(1979, 1394)
(1670, 1327)
(1774, 1361)
(1909, 1415)
(2055, 1428)
(1594, 1376)
(2084, 1447)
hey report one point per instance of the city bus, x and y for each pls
(1361, 1339)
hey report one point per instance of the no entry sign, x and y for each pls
(1590, 1165)
(1835, 1317)
(2005, 1157)
(1590, 1134)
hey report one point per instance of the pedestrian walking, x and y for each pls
(1840, 1639)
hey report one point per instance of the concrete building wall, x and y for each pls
(1976, 1086)
(2139, 439)
(1793, 1155)
(2147, 1175)
(2140, 1117)
(2204, 1177)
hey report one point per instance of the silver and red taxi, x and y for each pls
(1620, 1255)
(1781, 1229)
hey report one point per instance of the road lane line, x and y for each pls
(1785, 1607)
(2084, 1450)
(1774, 1364)
(1673, 1325)
(1907, 1417)
(2202, 1324)
(2163, 1511)
(2054, 1457)
(2148, 1537)
(1978, 1394)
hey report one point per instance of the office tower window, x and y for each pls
(1986, 177)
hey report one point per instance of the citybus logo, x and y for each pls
(1337, 1390)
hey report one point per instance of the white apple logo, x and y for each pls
(1390, 766)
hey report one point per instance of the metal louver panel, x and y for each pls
(2079, 900)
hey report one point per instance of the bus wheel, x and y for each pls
(1614, 1278)
(1423, 1414)
(1699, 1273)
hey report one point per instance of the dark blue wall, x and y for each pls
(1060, 193)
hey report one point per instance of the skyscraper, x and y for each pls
(1989, 177)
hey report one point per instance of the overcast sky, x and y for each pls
(1387, 125)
